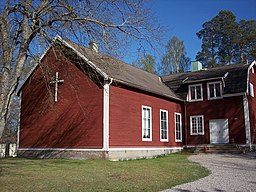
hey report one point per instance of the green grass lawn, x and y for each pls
(97, 175)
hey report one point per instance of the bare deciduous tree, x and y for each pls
(26, 24)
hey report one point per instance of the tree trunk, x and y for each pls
(2, 125)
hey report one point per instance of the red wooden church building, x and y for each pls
(78, 103)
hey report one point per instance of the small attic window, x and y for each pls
(214, 90)
(252, 70)
(195, 92)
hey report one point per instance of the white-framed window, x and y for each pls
(163, 125)
(178, 127)
(197, 125)
(195, 92)
(251, 90)
(214, 90)
(252, 70)
(146, 123)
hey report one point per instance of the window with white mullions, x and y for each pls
(178, 127)
(214, 90)
(197, 125)
(163, 125)
(146, 123)
(195, 92)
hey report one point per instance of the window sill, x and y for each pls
(193, 134)
(195, 100)
(146, 139)
(215, 98)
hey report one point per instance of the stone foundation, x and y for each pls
(65, 154)
(113, 154)
(137, 153)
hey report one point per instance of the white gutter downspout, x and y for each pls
(247, 120)
(106, 116)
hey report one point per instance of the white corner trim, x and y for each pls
(106, 93)
(247, 120)
(106, 117)
(248, 75)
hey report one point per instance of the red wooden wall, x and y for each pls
(230, 108)
(74, 121)
(126, 118)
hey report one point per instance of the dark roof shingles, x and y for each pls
(234, 76)
(125, 73)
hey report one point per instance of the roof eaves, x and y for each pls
(35, 66)
(201, 80)
(145, 89)
(90, 63)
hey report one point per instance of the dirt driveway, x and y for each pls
(229, 173)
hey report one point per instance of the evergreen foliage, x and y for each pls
(226, 41)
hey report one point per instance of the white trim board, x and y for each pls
(106, 116)
(143, 149)
(58, 149)
(247, 120)
(248, 74)
(110, 149)
(58, 38)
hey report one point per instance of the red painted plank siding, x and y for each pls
(230, 108)
(126, 118)
(75, 121)
(252, 106)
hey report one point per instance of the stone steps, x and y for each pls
(217, 148)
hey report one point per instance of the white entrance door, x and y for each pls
(219, 131)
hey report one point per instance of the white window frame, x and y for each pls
(197, 117)
(252, 70)
(189, 92)
(179, 114)
(251, 90)
(167, 117)
(150, 123)
(214, 84)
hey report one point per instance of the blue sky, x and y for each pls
(184, 18)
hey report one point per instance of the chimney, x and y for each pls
(93, 45)
(196, 66)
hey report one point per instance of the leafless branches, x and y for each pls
(26, 26)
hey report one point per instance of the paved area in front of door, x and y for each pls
(229, 172)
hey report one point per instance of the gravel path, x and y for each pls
(229, 173)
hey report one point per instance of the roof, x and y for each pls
(116, 70)
(174, 86)
(234, 77)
